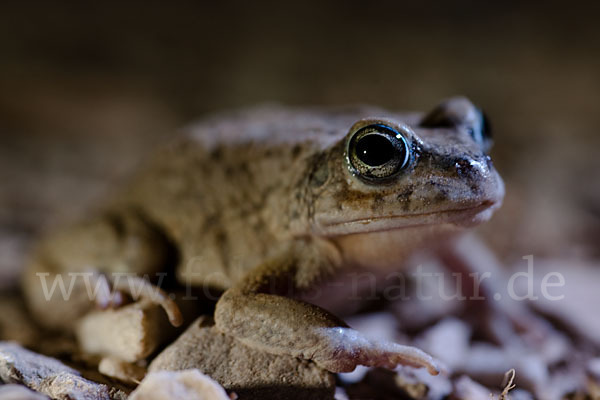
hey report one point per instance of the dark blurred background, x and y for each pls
(87, 89)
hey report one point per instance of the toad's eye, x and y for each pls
(377, 152)
(486, 131)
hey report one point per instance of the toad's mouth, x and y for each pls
(460, 217)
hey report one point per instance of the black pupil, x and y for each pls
(375, 150)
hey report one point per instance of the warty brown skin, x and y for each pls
(264, 201)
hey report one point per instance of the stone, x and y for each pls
(435, 387)
(50, 376)
(448, 340)
(467, 389)
(189, 384)
(19, 392)
(571, 294)
(238, 368)
(123, 371)
(404, 383)
(130, 333)
(488, 364)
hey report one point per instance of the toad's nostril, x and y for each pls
(468, 168)
(489, 163)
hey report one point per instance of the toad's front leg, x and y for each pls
(256, 313)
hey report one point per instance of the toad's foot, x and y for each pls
(140, 288)
(104, 297)
(342, 349)
(110, 294)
